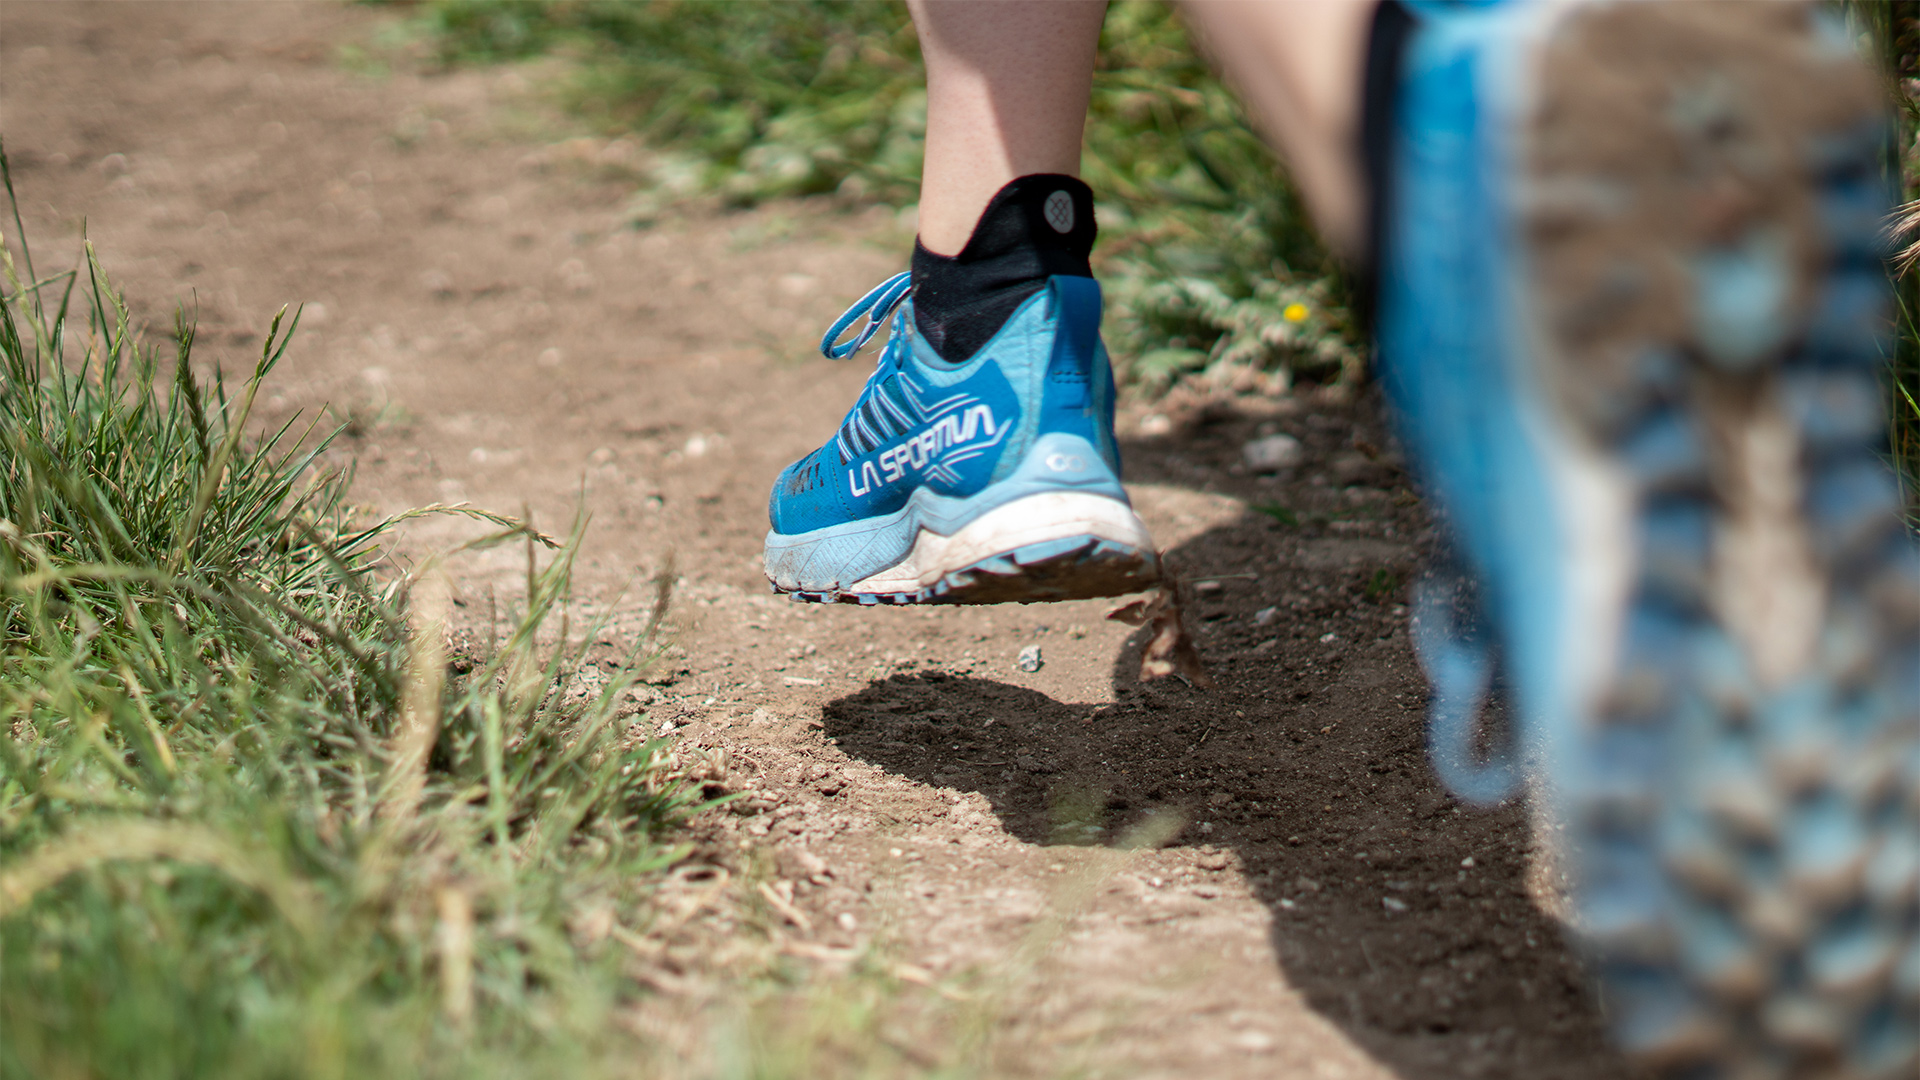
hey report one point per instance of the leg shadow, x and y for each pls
(1413, 923)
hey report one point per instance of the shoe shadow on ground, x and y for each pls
(1306, 762)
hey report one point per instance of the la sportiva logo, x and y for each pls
(949, 440)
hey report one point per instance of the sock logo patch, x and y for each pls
(1059, 211)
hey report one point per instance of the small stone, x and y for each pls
(437, 282)
(1467, 862)
(798, 862)
(1394, 904)
(1265, 615)
(1029, 659)
(1212, 860)
(1253, 1042)
(847, 921)
(1156, 425)
(1272, 453)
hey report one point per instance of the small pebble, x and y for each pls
(798, 862)
(847, 921)
(1254, 1042)
(1265, 615)
(1029, 659)
(1273, 453)
(1393, 904)
(1467, 862)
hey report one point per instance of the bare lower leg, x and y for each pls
(1007, 89)
(1298, 68)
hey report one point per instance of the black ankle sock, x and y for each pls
(1035, 227)
(1386, 43)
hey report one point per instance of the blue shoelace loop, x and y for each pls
(876, 306)
(1457, 653)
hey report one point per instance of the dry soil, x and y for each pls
(484, 310)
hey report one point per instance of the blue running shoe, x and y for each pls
(991, 480)
(1632, 314)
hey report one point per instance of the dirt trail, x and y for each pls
(482, 306)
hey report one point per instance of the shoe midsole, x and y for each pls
(1035, 519)
(830, 558)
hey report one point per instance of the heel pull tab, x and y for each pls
(1077, 310)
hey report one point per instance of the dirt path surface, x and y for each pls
(484, 309)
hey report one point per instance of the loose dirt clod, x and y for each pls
(1170, 651)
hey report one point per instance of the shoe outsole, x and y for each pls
(1071, 568)
(1745, 846)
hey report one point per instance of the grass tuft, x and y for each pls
(252, 822)
(1890, 33)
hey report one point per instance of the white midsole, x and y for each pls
(1052, 515)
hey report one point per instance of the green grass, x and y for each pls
(252, 821)
(1209, 263)
(1279, 513)
(1893, 28)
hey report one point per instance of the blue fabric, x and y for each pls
(1452, 358)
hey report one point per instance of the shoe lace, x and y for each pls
(879, 302)
(1455, 646)
(885, 409)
